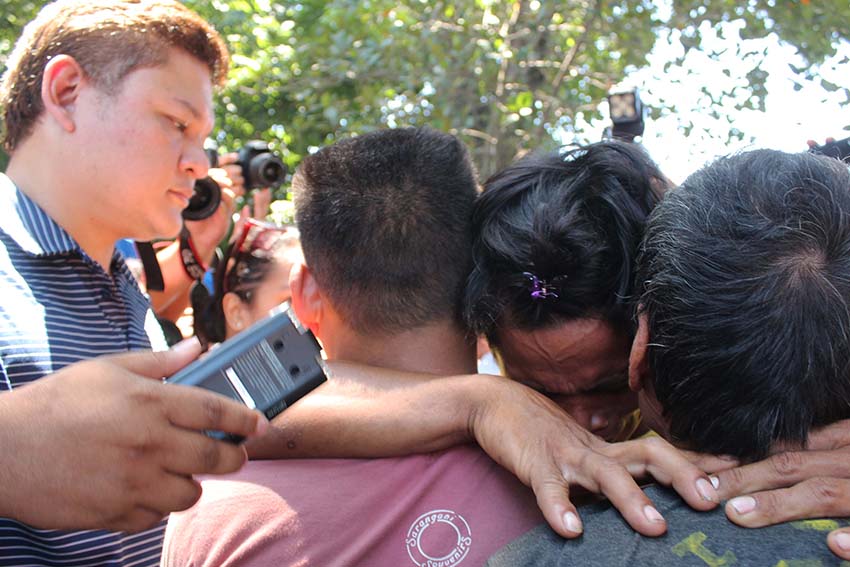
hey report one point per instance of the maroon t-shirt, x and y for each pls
(453, 507)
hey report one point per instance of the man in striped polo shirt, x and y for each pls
(105, 106)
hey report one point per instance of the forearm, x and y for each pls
(373, 412)
(366, 412)
(14, 488)
(175, 297)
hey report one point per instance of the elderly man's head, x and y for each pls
(744, 334)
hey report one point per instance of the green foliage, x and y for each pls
(812, 26)
(502, 75)
(506, 76)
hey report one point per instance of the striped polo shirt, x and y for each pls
(57, 307)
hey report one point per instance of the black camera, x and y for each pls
(260, 168)
(839, 149)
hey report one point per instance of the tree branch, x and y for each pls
(571, 54)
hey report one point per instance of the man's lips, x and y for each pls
(183, 194)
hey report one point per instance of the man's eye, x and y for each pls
(180, 125)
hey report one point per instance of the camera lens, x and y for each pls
(205, 201)
(260, 166)
(266, 170)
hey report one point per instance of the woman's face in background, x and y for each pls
(271, 292)
(581, 364)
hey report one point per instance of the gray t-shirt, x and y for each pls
(693, 538)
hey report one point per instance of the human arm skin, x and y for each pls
(370, 412)
(795, 485)
(262, 198)
(102, 445)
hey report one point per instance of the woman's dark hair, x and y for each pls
(557, 236)
(240, 272)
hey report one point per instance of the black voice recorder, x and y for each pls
(268, 367)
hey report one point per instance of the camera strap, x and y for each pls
(153, 274)
(193, 265)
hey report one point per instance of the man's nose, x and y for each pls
(195, 161)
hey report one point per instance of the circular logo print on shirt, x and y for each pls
(439, 538)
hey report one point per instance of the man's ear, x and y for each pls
(60, 89)
(638, 365)
(306, 297)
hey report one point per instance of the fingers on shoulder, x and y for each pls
(839, 543)
(813, 498)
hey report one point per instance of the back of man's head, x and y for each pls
(109, 39)
(385, 226)
(570, 222)
(746, 286)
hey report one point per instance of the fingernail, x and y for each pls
(190, 344)
(743, 504)
(572, 522)
(598, 422)
(706, 490)
(843, 541)
(652, 514)
(262, 425)
(715, 482)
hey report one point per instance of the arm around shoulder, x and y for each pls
(374, 412)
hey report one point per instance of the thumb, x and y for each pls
(161, 364)
(839, 542)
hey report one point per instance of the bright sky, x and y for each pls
(790, 118)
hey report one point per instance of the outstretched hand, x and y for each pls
(531, 436)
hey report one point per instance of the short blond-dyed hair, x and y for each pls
(109, 39)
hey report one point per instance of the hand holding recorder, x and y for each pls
(104, 444)
(268, 367)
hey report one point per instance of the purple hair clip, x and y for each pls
(540, 288)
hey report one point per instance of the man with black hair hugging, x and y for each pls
(742, 348)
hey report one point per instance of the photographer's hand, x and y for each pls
(261, 198)
(229, 174)
(99, 444)
(814, 144)
(207, 233)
